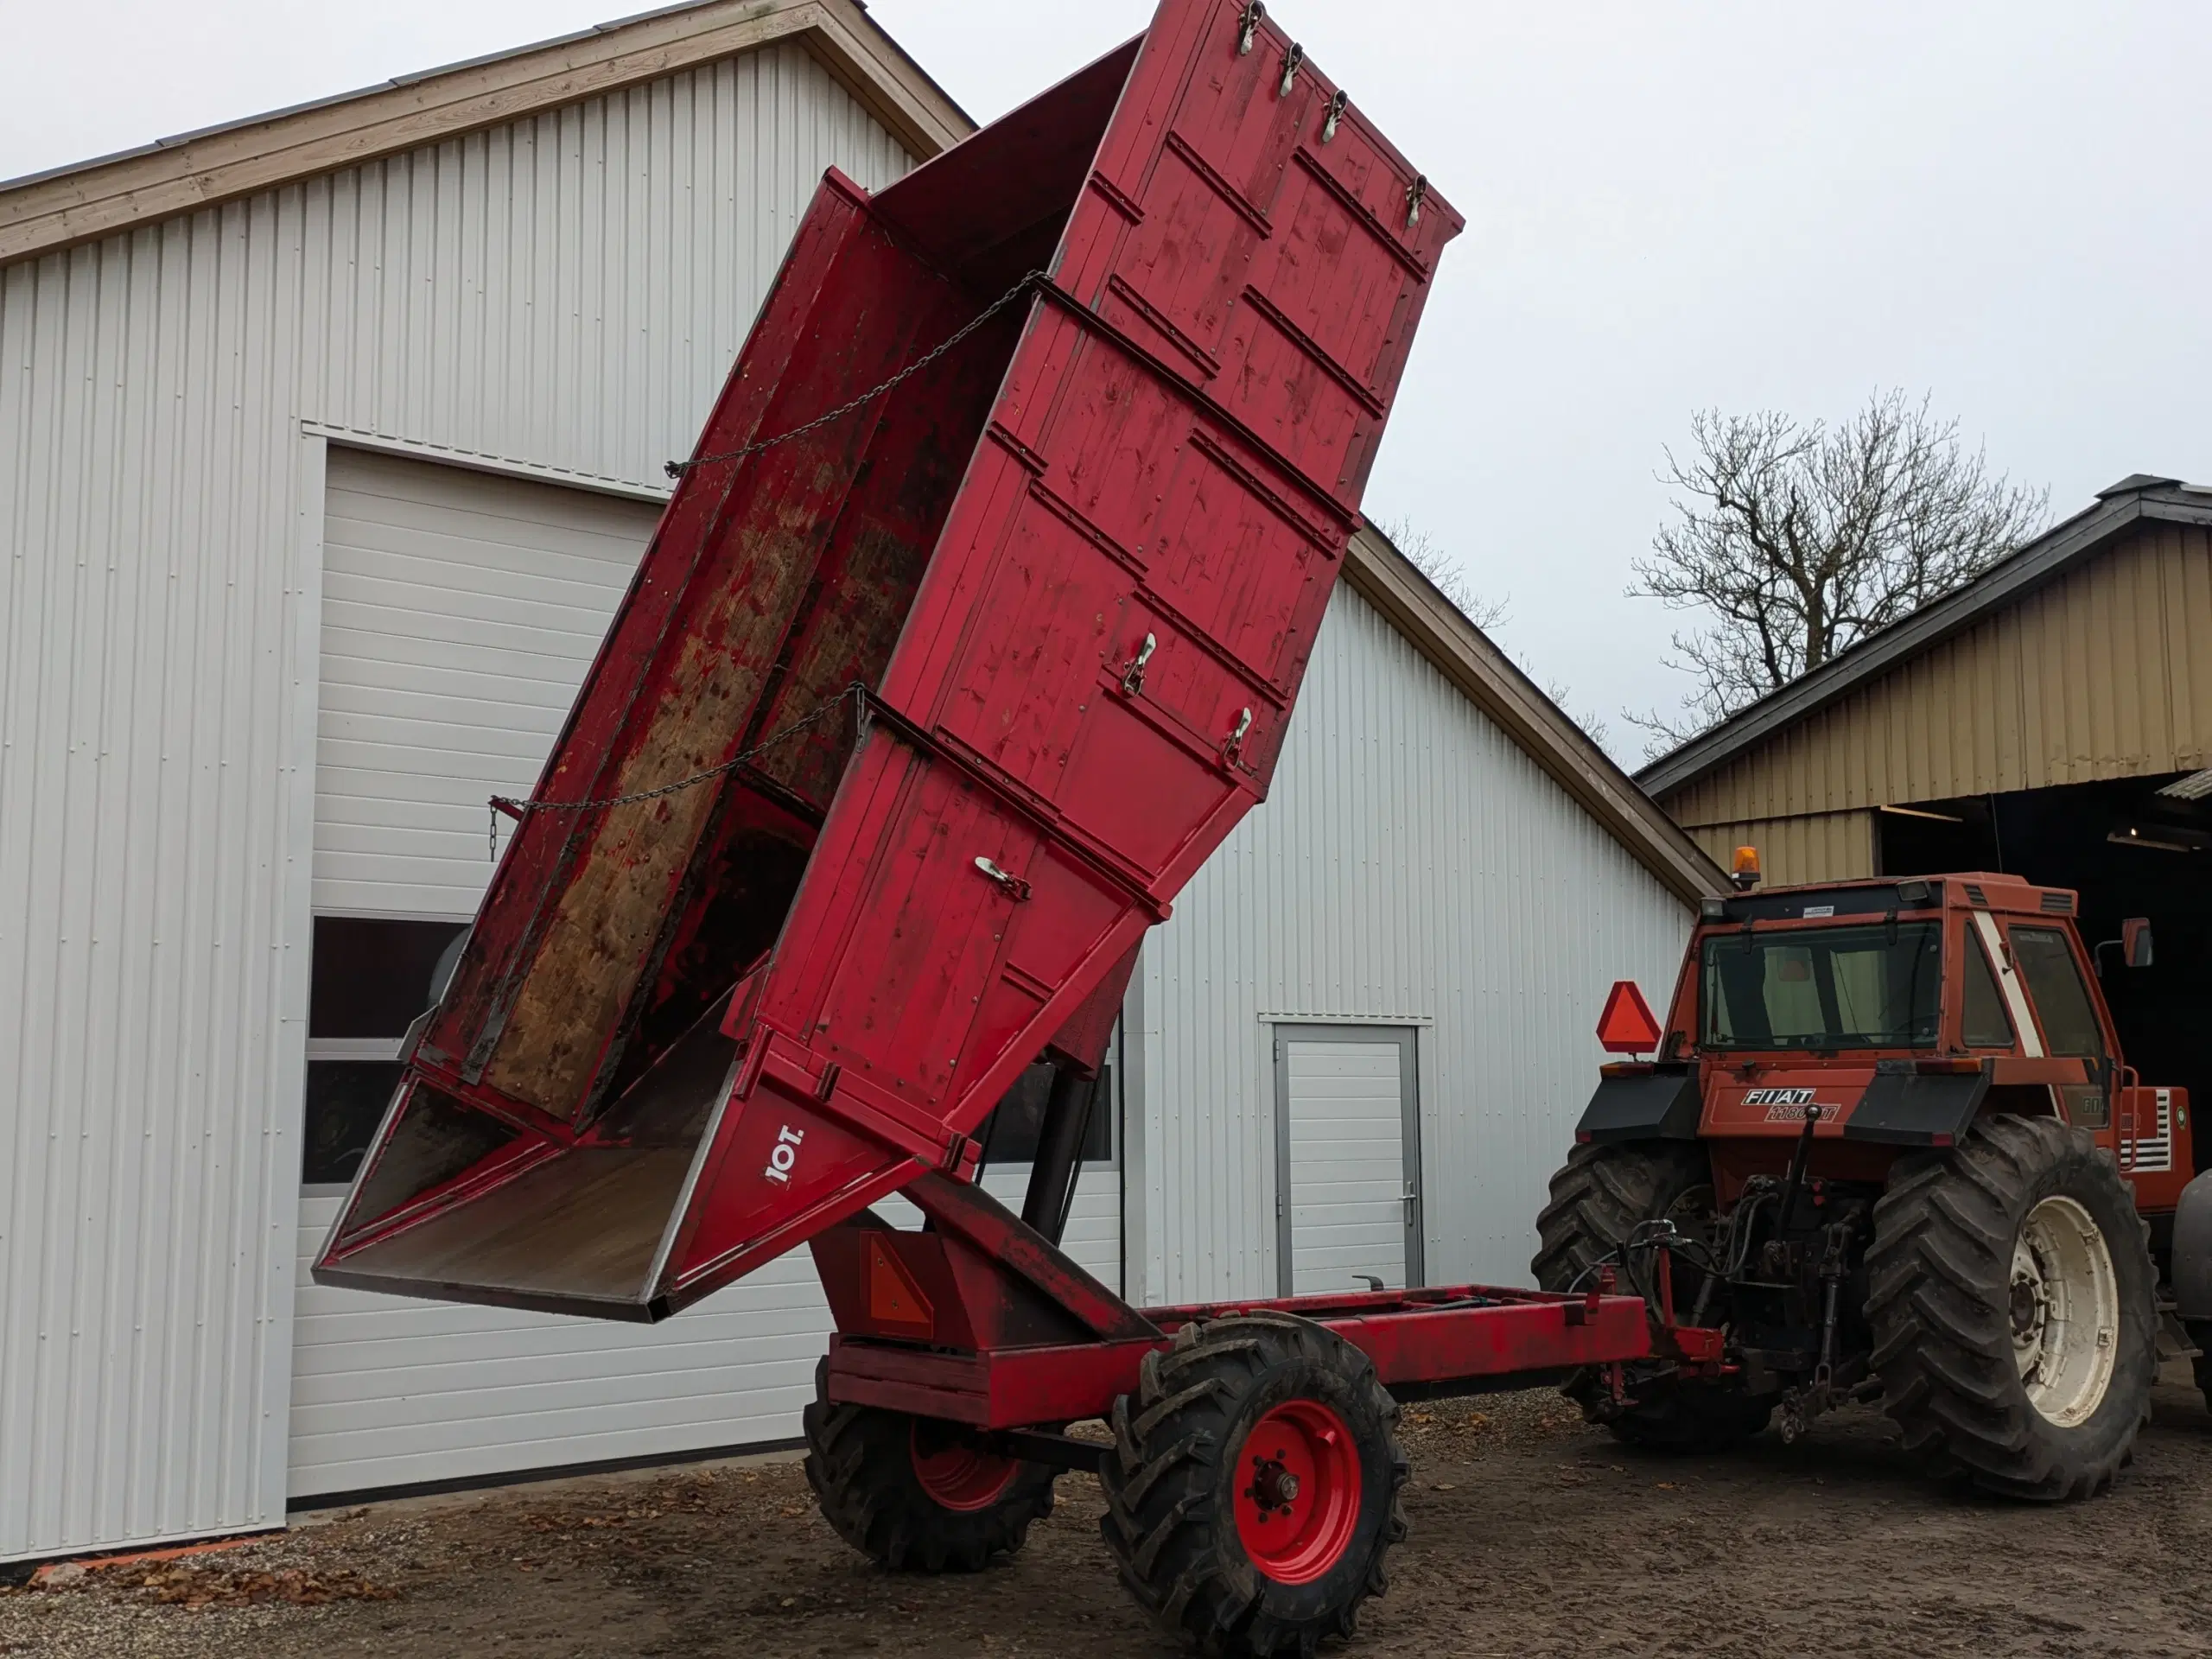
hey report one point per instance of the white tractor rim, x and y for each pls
(2065, 1311)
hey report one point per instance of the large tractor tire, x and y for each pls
(915, 1496)
(1596, 1200)
(2012, 1304)
(1253, 1487)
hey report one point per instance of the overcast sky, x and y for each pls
(1669, 206)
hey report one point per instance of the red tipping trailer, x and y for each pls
(971, 629)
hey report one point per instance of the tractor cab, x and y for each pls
(1894, 1012)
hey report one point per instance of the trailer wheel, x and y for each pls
(2011, 1301)
(913, 1495)
(1600, 1195)
(1253, 1488)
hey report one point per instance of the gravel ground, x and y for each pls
(1531, 1534)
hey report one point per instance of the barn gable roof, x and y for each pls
(2118, 510)
(98, 198)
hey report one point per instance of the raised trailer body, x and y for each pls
(1075, 564)
(970, 631)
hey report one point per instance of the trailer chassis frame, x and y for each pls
(983, 1321)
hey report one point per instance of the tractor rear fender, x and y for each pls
(1904, 1106)
(1660, 1102)
(2192, 1261)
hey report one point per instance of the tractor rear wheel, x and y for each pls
(2013, 1305)
(1253, 1487)
(1597, 1200)
(915, 1495)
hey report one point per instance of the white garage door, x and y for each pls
(461, 613)
(1348, 1165)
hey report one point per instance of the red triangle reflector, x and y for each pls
(1626, 1026)
(893, 1298)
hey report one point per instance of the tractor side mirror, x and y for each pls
(2135, 941)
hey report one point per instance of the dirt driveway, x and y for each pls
(1531, 1534)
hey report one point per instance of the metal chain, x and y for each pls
(520, 810)
(677, 468)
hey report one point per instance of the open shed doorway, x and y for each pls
(2136, 847)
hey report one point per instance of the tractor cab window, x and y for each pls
(1826, 987)
(1984, 1023)
(2070, 1020)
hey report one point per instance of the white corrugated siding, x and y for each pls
(1412, 864)
(565, 293)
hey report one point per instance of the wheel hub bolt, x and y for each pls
(1273, 1487)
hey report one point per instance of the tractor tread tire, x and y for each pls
(1601, 1194)
(1940, 1277)
(1169, 1523)
(860, 1463)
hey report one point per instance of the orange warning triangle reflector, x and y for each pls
(893, 1296)
(1626, 1026)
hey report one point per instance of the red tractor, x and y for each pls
(1889, 1148)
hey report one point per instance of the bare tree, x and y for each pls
(1593, 728)
(1797, 540)
(1433, 561)
(1491, 615)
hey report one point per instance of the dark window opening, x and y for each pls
(346, 1102)
(371, 978)
(1821, 989)
(1985, 1024)
(2069, 1020)
(1010, 1133)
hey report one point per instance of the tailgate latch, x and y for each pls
(1133, 677)
(1016, 887)
(1248, 26)
(1235, 745)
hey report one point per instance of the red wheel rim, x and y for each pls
(959, 1476)
(1297, 1494)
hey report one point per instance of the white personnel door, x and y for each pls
(1348, 1158)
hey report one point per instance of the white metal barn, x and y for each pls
(327, 443)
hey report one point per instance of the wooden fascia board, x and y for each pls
(88, 203)
(885, 81)
(1434, 627)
